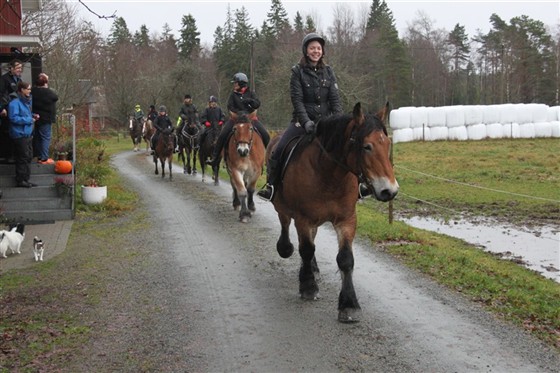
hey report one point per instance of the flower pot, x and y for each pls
(93, 195)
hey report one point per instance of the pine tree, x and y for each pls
(119, 32)
(189, 40)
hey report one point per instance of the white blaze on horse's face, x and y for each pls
(378, 169)
(243, 145)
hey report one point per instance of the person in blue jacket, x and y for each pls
(21, 132)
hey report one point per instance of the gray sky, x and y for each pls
(209, 14)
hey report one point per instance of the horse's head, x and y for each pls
(362, 143)
(242, 133)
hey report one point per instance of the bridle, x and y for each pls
(238, 142)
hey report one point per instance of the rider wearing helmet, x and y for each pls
(212, 115)
(138, 113)
(241, 99)
(162, 124)
(314, 94)
(152, 114)
(188, 110)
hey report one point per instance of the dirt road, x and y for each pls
(220, 299)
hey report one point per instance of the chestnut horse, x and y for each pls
(164, 152)
(148, 131)
(320, 184)
(244, 159)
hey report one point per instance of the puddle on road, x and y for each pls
(537, 249)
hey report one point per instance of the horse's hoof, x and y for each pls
(285, 251)
(244, 219)
(349, 315)
(312, 295)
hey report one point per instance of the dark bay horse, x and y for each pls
(207, 146)
(244, 155)
(148, 131)
(164, 152)
(320, 184)
(187, 140)
(135, 128)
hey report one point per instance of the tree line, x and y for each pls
(517, 61)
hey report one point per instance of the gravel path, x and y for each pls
(207, 293)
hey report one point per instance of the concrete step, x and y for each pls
(38, 216)
(31, 204)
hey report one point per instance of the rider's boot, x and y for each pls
(267, 191)
(363, 191)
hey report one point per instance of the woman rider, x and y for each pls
(314, 94)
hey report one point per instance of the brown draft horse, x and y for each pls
(148, 131)
(135, 128)
(164, 152)
(320, 184)
(244, 158)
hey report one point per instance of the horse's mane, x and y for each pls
(331, 131)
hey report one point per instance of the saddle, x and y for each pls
(288, 152)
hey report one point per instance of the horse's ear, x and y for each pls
(383, 113)
(357, 113)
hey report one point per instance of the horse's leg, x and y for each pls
(162, 161)
(284, 246)
(189, 168)
(170, 161)
(216, 172)
(308, 287)
(156, 163)
(195, 152)
(348, 307)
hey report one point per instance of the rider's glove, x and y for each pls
(309, 126)
(220, 122)
(207, 124)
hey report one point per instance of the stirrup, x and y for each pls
(267, 192)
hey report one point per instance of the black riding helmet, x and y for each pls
(309, 38)
(241, 79)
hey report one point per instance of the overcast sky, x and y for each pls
(209, 14)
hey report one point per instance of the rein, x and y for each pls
(360, 173)
(250, 143)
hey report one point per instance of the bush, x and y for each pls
(92, 165)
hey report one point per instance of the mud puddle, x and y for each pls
(535, 248)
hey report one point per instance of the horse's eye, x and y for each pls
(368, 147)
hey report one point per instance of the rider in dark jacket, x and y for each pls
(188, 111)
(240, 99)
(212, 115)
(152, 114)
(314, 94)
(163, 124)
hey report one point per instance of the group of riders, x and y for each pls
(314, 95)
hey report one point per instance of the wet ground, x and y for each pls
(537, 248)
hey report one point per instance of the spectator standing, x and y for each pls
(8, 91)
(21, 131)
(44, 104)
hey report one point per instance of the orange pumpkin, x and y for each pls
(63, 167)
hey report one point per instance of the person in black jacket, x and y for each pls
(44, 104)
(162, 124)
(241, 99)
(212, 115)
(314, 95)
(8, 91)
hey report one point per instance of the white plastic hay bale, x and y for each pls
(400, 118)
(491, 114)
(543, 129)
(527, 131)
(507, 114)
(419, 117)
(402, 135)
(454, 116)
(421, 134)
(539, 112)
(473, 114)
(439, 133)
(476, 132)
(511, 130)
(523, 114)
(494, 130)
(436, 116)
(458, 133)
(555, 128)
(552, 114)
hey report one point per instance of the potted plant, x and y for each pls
(92, 167)
(64, 185)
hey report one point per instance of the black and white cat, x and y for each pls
(38, 248)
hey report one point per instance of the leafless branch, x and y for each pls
(100, 16)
